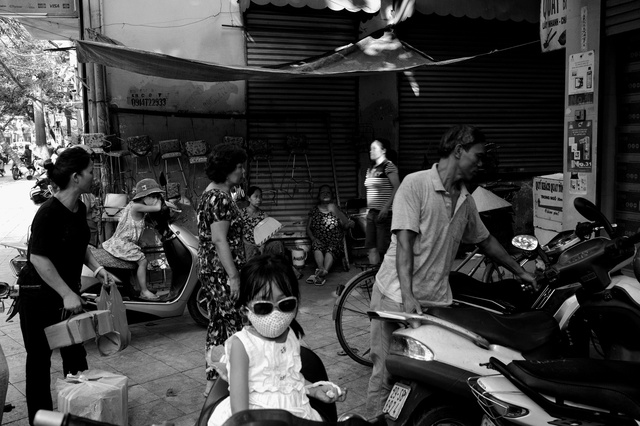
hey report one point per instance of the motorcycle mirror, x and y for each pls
(4, 289)
(525, 242)
(587, 209)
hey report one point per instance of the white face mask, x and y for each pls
(272, 325)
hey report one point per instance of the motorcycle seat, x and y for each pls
(107, 260)
(534, 333)
(610, 385)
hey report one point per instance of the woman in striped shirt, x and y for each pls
(382, 182)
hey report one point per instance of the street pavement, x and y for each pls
(165, 360)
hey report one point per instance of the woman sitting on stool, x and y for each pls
(325, 228)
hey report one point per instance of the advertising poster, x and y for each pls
(581, 78)
(553, 22)
(580, 155)
(50, 8)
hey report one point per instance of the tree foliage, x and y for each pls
(29, 73)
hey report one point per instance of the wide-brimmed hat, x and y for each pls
(146, 187)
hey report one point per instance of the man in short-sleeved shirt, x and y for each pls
(433, 214)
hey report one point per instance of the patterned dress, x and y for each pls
(224, 320)
(124, 242)
(328, 231)
(275, 380)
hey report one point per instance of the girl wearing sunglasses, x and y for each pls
(263, 359)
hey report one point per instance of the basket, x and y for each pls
(96, 141)
(139, 145)
(259, 148)
(235, 140)
(169, 146)
(196, 148)
(296, 142)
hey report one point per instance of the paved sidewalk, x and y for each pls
(165, 354)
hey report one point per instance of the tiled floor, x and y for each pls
(164, 362)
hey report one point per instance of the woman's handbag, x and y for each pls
(112, 301)
(139, 145)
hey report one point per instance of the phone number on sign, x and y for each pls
(157, 102)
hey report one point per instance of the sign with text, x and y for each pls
(580, 147)
(548, 197)
(553, 22)
(18, 8)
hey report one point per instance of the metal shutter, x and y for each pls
(621, 16)
(515, 96)
(627, 178)
(310, 107)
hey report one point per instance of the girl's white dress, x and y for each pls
(275, 380)
(124, 242)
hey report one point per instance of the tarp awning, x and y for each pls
(370, 55)
(503, 10)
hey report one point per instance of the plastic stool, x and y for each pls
(116, 176)
(170, 149)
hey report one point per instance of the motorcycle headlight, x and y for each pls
(494, 407)
(410, 348)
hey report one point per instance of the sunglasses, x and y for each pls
(265, 307)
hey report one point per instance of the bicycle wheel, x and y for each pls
(351, 319)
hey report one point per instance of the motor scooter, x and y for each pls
(22, 169)
(180, 249)
(437, 352)
(566, 391)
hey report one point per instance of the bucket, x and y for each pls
(298, 257)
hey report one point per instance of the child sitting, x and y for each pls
(124, 242)
(263, 359)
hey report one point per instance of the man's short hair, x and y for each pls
(460, 134)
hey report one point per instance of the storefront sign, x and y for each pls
(553, 22)
(580, 151)
(66, 8)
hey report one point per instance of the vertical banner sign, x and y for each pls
(580, 153)
(553, 22)
(581, 77)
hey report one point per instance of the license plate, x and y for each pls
(487, 422)
(396, 400)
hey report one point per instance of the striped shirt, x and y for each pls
(378, 185)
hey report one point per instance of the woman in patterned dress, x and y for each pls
(221, 250)
(325, 228)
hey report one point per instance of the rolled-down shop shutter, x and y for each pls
(621, 16)
(322, 110)
(515, 96)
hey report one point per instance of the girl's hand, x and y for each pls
(326, 392)
(382, 214)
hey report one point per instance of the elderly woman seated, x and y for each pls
(325, 228)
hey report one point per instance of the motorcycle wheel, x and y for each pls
(15, 173)
(444, 415)
(197, 306)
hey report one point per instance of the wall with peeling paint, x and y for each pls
(193, 29)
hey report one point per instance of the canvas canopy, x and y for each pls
(380, 52)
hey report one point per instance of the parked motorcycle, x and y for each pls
(435, 355)
(180, 249)
(565, 391)
(22, 169)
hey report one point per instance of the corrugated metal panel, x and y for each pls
(621, 16)
(321, 109)
(515, 96)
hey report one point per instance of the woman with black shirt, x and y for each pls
(50, 282)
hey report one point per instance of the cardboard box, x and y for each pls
(548, 197)
(79, 328)
(96, 395)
